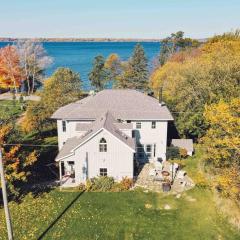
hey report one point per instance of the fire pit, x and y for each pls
(165, 173)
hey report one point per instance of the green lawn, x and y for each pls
(118, 216)
(9, 109)
(126, 215)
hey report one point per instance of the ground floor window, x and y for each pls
(103, 171)
(146, 151)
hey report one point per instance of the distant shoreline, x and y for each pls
(85, 39)
(80, 39)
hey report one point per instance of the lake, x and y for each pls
(79, 55)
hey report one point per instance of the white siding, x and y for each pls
(149, 135)
(70, 131)
(118, 159)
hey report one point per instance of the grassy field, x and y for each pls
(9, 109)
(125, 215)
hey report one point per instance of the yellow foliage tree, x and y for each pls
(197, 77)
(223, 145)
(223, 136)
(15, 160)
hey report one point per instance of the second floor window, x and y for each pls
(103, 145)
(138, 125)
(64, 126)
(153, 124)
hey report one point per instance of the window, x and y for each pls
(64, 126)
(133, 134)
(138, 125)
(140, 151)
(149, 150)
(153, 124)
(103, 145)
(103, 171)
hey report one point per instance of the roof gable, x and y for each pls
(106, 122)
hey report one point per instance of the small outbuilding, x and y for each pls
(186, 144)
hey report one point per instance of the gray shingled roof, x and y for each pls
(107, 122)
(183, 143)
(123, 104)
(120, 125)
(83, 126)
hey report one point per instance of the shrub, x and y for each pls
(126, 184)
(183, 152)
(88, 185)
(228, 183)
(172, 152)
(82, 187)
(201, 181)
(102, 184)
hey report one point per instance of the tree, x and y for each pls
(222, 137)
(63, 87)
(99, 74)
(200, 76)
(114, 66)
(175, 43)
(124, 80)
(10, 72)
(137, 71)
(223, 145)
(33, 60)
(15, 159)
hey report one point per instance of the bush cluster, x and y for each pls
(106, 184)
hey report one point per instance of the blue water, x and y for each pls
(79, 55)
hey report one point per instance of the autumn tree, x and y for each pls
(223, 136)
(11, 75)
(33, 60)
(199, 77)
(16, 161)
(223, 145)
(99, 74)
(63, 87)
(174, 43)
(114, 66)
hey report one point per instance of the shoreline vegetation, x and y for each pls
(3, 39)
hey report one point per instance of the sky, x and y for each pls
(117, 19)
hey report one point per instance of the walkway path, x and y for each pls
(9, 96)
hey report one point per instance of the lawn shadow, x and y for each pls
(60, 216)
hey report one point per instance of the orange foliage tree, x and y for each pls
(10, 71)
(15, 160)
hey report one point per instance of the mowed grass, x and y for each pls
(125, 215)
(10, 109)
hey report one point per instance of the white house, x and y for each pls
(103, 134)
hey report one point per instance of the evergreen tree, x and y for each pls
(138, 69)
(99, 74)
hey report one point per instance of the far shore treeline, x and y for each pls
(199, 81)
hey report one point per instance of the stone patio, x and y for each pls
(146, 181)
